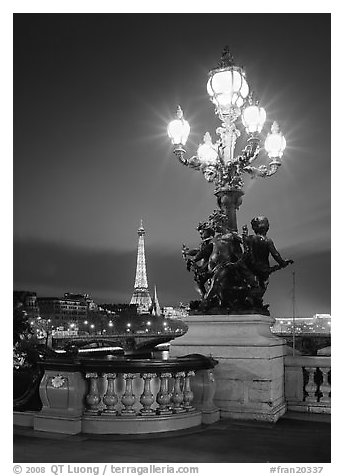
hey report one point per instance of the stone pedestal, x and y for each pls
(250, 373)
(62, 394)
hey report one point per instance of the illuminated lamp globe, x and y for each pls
(207, 152)
(179, 129)
(227, 88)
(253, 119)
(275, 142)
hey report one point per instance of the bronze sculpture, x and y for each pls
(234, 269)
(200, 255)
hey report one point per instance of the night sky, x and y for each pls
(93, 94)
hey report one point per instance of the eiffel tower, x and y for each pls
(141, 296)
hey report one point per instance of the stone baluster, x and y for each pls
(128, 398)
(177, 395)
(93, 397)
(188, 393)
(147, 398)
(325, 387)
(311, 386)
(163, 397)
(110, 398)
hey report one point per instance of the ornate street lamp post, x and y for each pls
(230, 93)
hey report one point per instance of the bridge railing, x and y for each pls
(126, 395)
(308, 384)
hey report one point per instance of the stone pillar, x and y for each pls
(62, 392)
(250, 373)
(325, 387)
(204, 389)
(147, 397)
(177, 394)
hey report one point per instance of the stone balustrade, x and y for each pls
(308, 383)
(148, 394)
(122, 395)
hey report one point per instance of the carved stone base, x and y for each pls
(260, 413)
(140, 424)
(210, 416)
(57, 424)
(250, 373)
(24, 419)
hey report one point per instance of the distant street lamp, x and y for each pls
(231, 270)
(230, 93)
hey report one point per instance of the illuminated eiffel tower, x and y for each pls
(141, 296)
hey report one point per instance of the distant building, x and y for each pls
(175, 312)
(28, 300)
(91, 305)
(62, 310)
(317, 324)
(72, 308)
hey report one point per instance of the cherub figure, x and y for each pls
(197, 259)
(224, 263)
(258, 249)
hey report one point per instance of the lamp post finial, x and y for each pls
(226, 58)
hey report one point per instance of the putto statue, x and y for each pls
(197, 259)
(232, 271)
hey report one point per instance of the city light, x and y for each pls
(317, 324)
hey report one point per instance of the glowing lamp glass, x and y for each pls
(207, 153)
(224, 100)
(275, 143)
(228, 88)
(253, 118)
(178, 131)
(221, 82)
